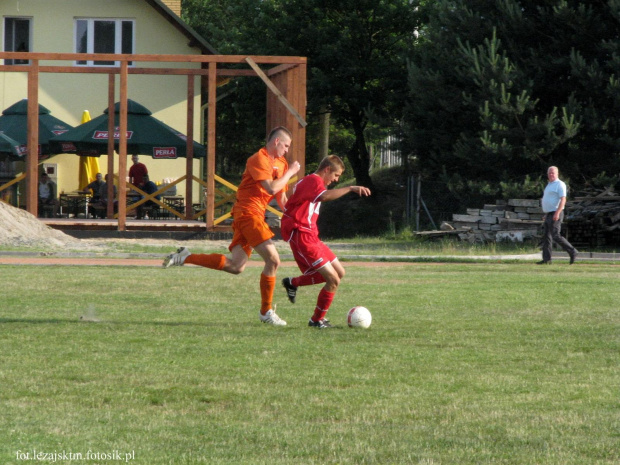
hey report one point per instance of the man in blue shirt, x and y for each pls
(149, 187)
(553, 202)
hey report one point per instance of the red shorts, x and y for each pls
(248, 232)
(310, 253)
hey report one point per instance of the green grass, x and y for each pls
(463, 364)
(422, 247)
(389, 246)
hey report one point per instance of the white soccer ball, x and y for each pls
(359, 317)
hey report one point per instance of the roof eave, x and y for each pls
(196, 40)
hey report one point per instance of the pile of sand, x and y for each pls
(19, 228)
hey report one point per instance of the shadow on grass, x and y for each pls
(44, 321)
(63, 321)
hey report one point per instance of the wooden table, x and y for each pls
(74, 203)
(176, 202)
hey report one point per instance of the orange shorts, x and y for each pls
(248, 232)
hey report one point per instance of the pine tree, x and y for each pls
(500, 90)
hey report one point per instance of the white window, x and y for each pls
(103, 36)
(17, 38)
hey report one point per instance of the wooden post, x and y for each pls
(288, 89)
(110, 180)
(32, 163)
(291, 82)
(189, 205)
(300, 87)
(122, 151)
(211, 120)
(259, 72)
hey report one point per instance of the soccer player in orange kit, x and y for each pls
(266, 176)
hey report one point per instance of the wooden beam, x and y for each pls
(110, 178)
(211, 121)
(115, 70)
(236, 72)
(189, 205)
(122, 151)
(276, 91)
(151, 197)
(229, 59)
(225, 183)
(300, 89)
(280, 69)
(139, 71)
(32, 156)
(17, 179)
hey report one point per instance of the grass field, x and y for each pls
(463, 364)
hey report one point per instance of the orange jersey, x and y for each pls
(252, 198)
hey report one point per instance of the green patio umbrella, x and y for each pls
(14, 149)
(14, 124)
(146, 135)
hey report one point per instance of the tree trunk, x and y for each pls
(359, 157)
(324, 117)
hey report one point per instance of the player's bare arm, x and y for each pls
(281, 198)
(334, 194)
(276, 185)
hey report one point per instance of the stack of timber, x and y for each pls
(593, 218)
(514, 220)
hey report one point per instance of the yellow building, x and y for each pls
(104, 26)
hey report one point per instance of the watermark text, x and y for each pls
(66, 456)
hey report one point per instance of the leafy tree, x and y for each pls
(356, 52)
(355, 49)
(500, 90)
(230, 28)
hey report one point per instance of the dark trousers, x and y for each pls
(551, 234)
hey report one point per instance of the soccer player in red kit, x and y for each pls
(299, 228)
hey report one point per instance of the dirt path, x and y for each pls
(90, 261)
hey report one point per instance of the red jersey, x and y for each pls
(302, 208)
(252, 198)
(137, 172)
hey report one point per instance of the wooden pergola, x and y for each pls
(285, 78)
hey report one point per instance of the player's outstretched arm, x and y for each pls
(334, 194)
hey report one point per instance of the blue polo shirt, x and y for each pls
(553, 194)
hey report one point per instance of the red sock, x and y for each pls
(323, 302)
(308, 279)
(215, 261)
(267, 286)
